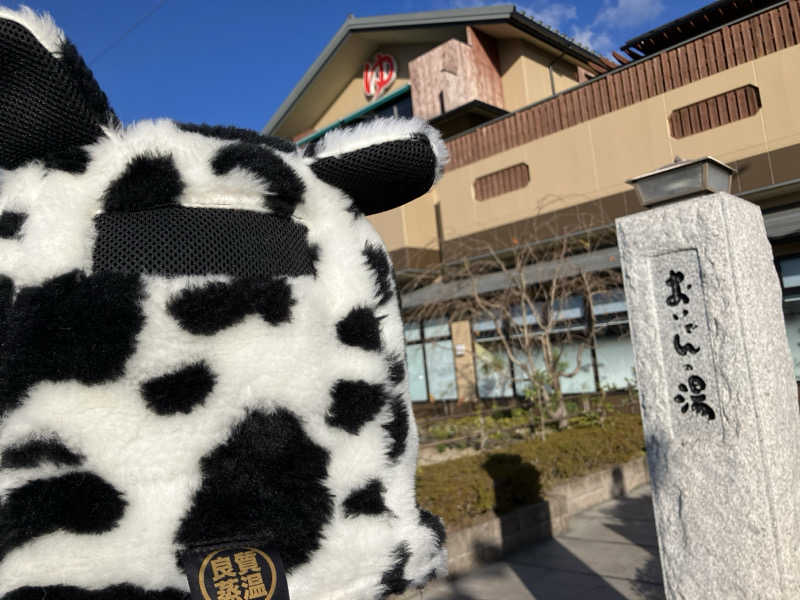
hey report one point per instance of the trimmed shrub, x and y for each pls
(466, 490)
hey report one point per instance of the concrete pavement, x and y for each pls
(609, 552)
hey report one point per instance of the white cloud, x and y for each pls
(463, 3)
(563, 16)
(628, 13)
(599, 41)
(553, 14)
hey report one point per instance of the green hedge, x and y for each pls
(462, 491)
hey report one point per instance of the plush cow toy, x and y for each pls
(202, 381)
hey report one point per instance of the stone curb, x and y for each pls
(490, 540)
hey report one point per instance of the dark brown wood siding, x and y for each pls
(714, 112)
(503, 181)
(717, 51)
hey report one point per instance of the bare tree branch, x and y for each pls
(532, 318)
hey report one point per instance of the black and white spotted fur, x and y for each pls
(146, 412)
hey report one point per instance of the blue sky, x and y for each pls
(234, 62)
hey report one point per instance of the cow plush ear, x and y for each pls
(380, 164)
(49, 100)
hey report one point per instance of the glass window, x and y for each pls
(790, 271)
(583, 379)
(484, 325)
(432, 358)
(412, 332)
(441, 369)
(790, 278)
(532, 316)
(521, 380)
(403, 107)
(493, 371)
(792, 320)
(485, 328)
(615, 360)
(400, 107)
(568, 314)
(387, 110)
(416, 373)
(609, 303)
(433, 328)
(570, 308)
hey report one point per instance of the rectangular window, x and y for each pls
(578, 356)
(793, 334)
(522, 381)
(530, 314)
(614, 353)
(412, 332)
(416, 373)
(789, 270)
(493, 370)
(568, 309)
(401, 107)
(441, 370)
(485, 329)
(610, 307)
(569, 314)
(429, 356)
(433, 328)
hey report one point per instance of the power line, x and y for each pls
(116, 42)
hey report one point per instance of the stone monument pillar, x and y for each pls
(718, 398)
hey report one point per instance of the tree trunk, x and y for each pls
(541, 394)
(561, 413)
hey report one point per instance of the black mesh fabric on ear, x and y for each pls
(201, 241)
(382, 176)
(43, 108)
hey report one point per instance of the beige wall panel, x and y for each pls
(461, 333)
(512, 74)
(537, 75)
(352, 97)
(709, 86)
(537, 65)
(561, 175)
(350, 100)
(565, 76)
(391, 228)
(525, 74)
(594, 159)
(420, 222)
(410, 226)
(728, 142)
(777, 80)
(629, 142)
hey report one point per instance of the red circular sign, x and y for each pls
(379, 75)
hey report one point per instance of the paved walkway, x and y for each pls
(609, 552)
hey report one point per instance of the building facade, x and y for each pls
(543, 135)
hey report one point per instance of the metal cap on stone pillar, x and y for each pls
(683, 179)
(716, 385)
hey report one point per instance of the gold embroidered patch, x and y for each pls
(236, 573)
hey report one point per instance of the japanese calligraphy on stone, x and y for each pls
(685, 339)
